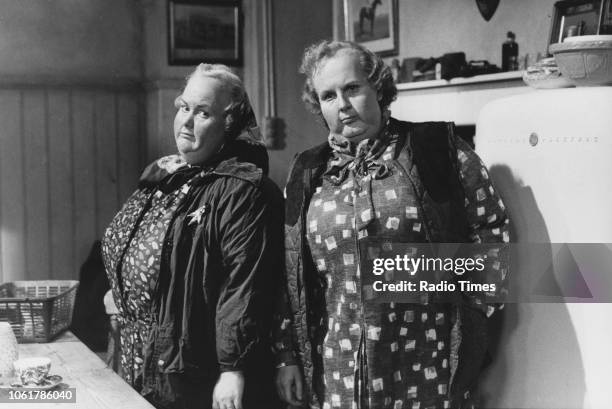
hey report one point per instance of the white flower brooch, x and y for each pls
(196, 217)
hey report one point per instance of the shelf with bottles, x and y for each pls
(510, 76)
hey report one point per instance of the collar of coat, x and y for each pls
(431, 146)
(244, 160)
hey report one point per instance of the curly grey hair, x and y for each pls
(239, 114)
(376, 71)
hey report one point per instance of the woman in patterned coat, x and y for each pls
(378, 180)
(190, 258)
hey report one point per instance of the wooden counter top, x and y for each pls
(97, 386)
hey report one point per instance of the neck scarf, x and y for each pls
(360, 160)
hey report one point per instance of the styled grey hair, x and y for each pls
(376, 71)
(239, 114)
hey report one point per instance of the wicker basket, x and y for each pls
(37, 310)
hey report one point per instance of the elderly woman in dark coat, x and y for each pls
(190, 255)
(376, 180)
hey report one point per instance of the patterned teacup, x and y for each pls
(32, 371)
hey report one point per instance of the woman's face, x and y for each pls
(349, 103)
(200, 121)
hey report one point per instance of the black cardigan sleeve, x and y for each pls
(250, 244)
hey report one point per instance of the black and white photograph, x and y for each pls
(373, 23)
(201, 30)
(319, 204)
(573, 18)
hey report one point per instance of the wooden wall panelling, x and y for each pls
(12, 195)
(61, 180)
(69, 157)
(129, 145)
(84, 154)
(153, 123)
(106, 160)
(168, 112)
(36, 182)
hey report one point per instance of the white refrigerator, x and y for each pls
(550, 156)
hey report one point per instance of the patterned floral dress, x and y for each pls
(384, 355)
(132, 249)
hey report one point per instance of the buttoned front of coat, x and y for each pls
(427, 153)
(211, 305)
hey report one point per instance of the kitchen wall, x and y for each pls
(70, 129)
(297, 24)
(431, 28)
(86, 100)
(70, 39)
(162, 81)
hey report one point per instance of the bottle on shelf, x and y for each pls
(510, 53)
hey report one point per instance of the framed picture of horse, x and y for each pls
(373, 24)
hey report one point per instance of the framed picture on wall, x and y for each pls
(204, 31)
(373, 24)
(575, 18)
(605, 23)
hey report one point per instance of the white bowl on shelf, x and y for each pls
(582, 39)
(585, 61)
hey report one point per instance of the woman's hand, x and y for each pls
(289, 384)
(228, 391)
